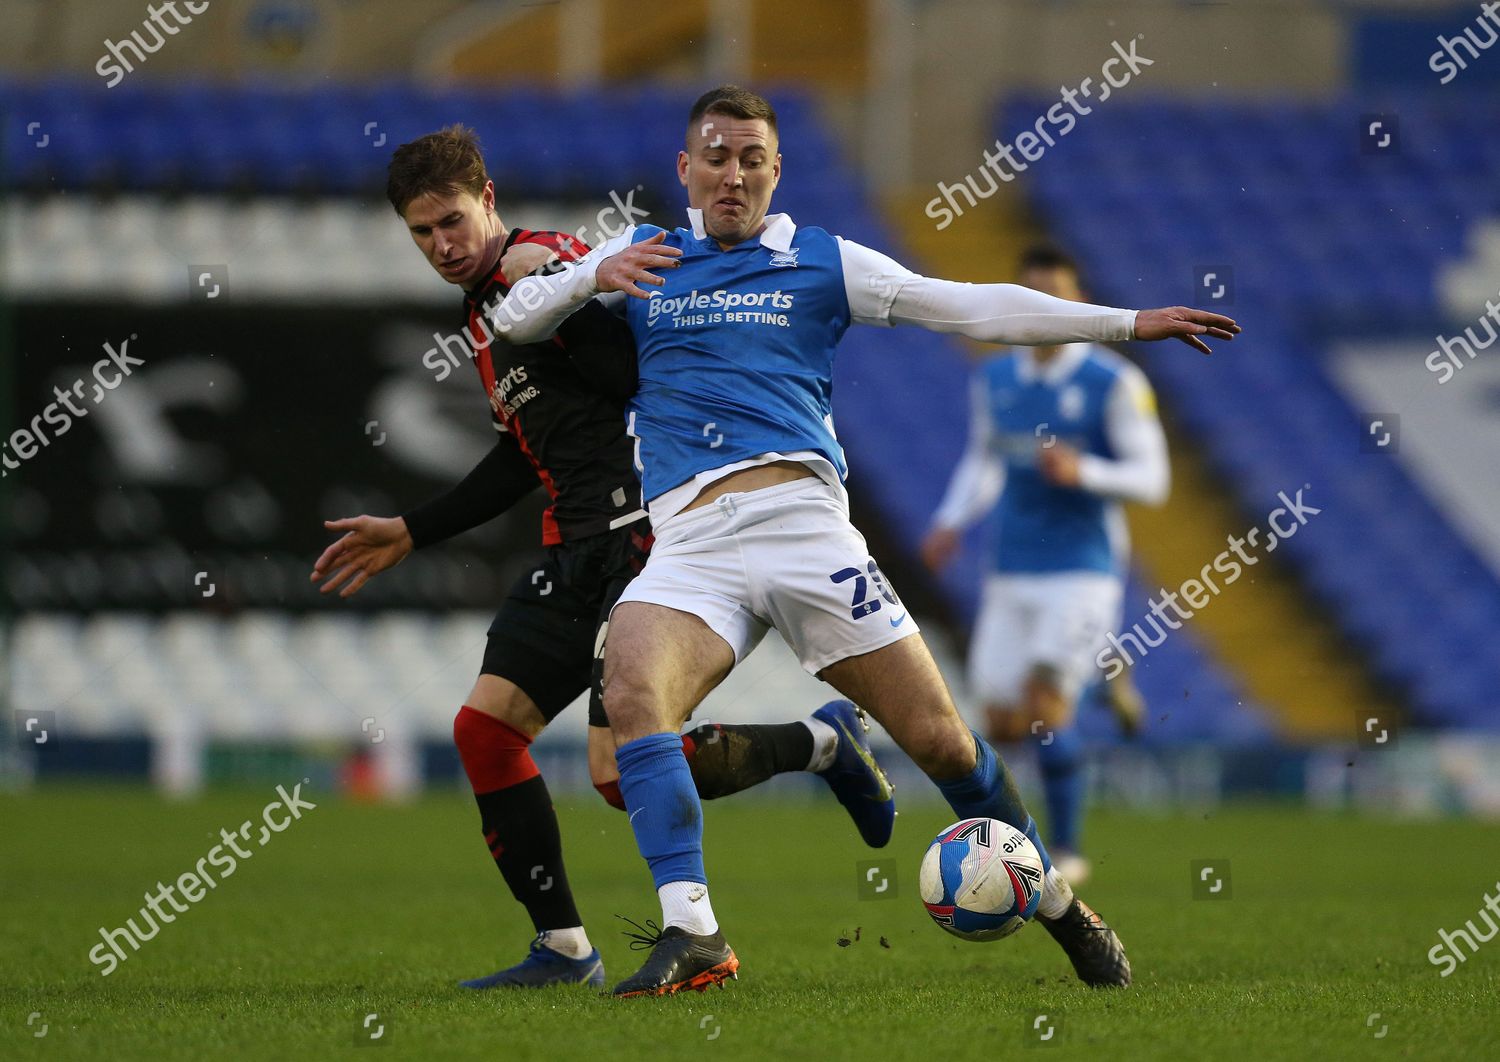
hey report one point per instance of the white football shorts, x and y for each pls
(1056, 620)
(784, 556)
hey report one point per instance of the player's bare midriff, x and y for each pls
(748, 479)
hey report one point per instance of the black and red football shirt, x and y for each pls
(561, 402)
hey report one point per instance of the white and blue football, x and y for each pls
(981, 879)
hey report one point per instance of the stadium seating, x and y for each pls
(66, 135)
(1325, 236)
(901, 393)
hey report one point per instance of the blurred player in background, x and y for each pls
(743, 477)
(558, 409)
(1060, 436)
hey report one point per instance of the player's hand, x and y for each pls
(939, 547)
(1186, 324)
(524, 259)
(368, 546)
(1059, 465)
(628, 269)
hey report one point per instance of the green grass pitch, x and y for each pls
(358, 909)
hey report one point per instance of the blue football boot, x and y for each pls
(543, 966)
(855, 778)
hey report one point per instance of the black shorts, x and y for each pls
(547, 636)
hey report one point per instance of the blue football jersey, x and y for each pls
(736, 356)
(1040, 527)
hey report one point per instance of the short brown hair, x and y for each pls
(444, 162)
(735, 102)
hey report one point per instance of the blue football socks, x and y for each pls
(663, 806)
(989, 792)
(1061, 761)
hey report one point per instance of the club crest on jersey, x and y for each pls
(784, 259)
(1070, 402)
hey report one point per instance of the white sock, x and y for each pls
(572, 942)
(825, 744)
(684, 904)
(1057, 895)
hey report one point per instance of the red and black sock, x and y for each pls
(516, 814)
(730, 758)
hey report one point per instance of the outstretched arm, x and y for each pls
(882, 291)
(370, 545)
(501, 478)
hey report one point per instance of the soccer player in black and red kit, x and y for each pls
(558, 408)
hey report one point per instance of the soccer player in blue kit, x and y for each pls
(1060, 436)
(736, 319)
(557, 411)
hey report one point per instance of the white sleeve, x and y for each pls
(1140, 470)
(980, 475)
(537, 305)
(871, 282)
(881, 291)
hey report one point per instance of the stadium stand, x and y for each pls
(901, 392)
(1325, 234)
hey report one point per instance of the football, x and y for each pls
(981, 879)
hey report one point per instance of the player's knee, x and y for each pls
(495, 755)
(502, 699)
(629, 697)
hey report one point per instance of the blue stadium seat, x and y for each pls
(1318, 235)
(1321, 237)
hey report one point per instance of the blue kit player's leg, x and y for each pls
(901, 686)
(677, 632)
(659, 663)
(1060, 756)
(1073, 611)
(667, 817)
(989, 792)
